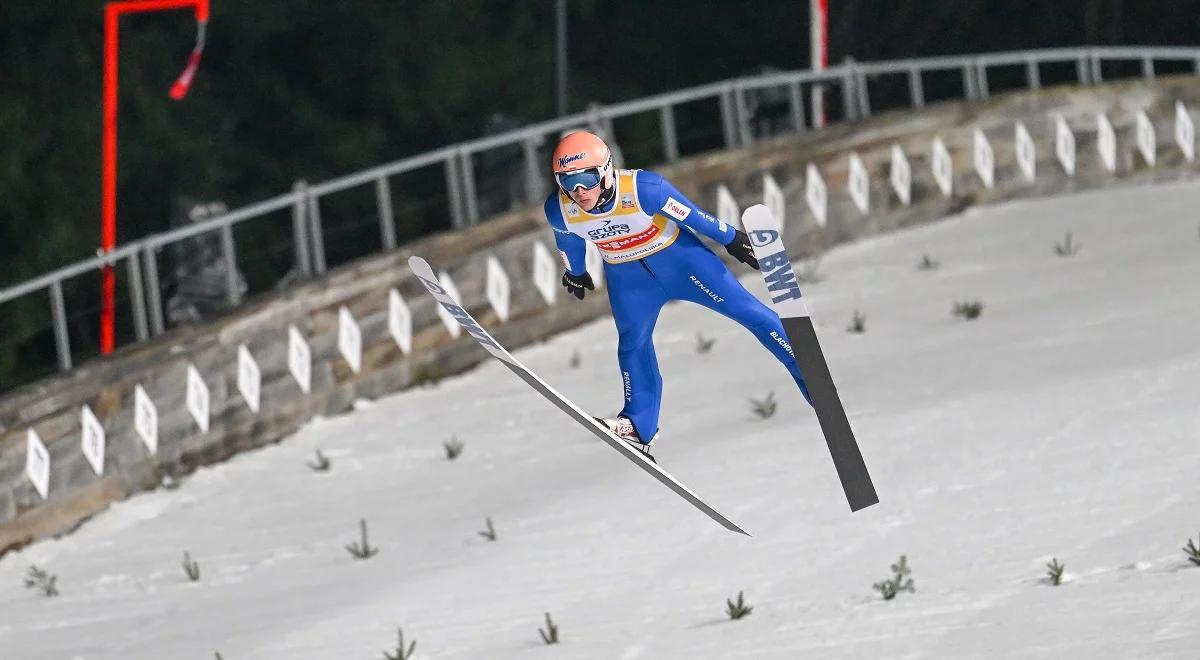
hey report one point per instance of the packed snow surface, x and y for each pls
(1062, 423)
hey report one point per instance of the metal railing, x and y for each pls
(852, 79)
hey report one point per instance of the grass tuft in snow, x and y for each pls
(927, 263)
(218, 655)
(576, 359)
(362, 550)
(1193, 552)
(41, 580)
(550, 634)
(858, 324)
(704, 344)
(190, 567)
(321, 464)
(1054, 571)
(401, 653)
(889, 588)
(1066, 248)
(968, 309)
(490, 532)
(453, 448)
(739, 609)
(764, 408)
(808, 271)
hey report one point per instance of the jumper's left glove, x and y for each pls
(741, 249)
(577, 283)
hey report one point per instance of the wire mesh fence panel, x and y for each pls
(350, 224)
(266, 252)
(420, 203)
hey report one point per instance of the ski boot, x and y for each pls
(623, 429)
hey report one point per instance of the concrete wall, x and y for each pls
(52, 406)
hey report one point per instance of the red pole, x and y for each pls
(108, 175)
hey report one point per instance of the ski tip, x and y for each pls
(756, 211)
(415, 262)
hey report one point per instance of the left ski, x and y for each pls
(425, 274)
(789, 304)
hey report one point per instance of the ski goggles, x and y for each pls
(586, 178)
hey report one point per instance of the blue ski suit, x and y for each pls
(648, 235)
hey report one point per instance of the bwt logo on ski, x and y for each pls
(605, 232)
(779, 277)
(567, 160)
(464, 319)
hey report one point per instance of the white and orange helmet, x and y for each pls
(582, 160)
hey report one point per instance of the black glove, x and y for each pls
(577, 283)
(741, 249)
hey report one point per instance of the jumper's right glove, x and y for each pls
(741, 249)
(577, 283)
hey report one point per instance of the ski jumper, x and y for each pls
(649, 259)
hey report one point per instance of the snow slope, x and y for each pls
(1064, 422)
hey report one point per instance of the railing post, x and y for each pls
(916, 87)
(745, 134)
(970, 91)
(728, 120)
(468, 184)
(981, 80)
(1081, 70)
(864, 97)
(300, 228)
(58, 313)
(796, 100)
(1033, 76)
(533, 173)
(454, 191)
(1196, 66)
(137, 298)
(387, 225)
(316, 233)
(1097, 72)
(1148, 67)
(848, 94)
(666, 120)
(154, 292)
(232, 293)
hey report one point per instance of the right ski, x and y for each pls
(425, 274)
(789, 304)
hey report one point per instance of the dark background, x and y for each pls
(312, 90)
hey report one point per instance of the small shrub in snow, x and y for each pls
(764, 408)
(490, 532)
(704, 344)
(362, 550)
(1066, 248)
(550, 634)
(401, 653)
(889, 588)
(858, 323)
(968, 310)
(576, 359)
(1193, 552)
(191, 568)
(41, 580)
(739, 609)
(321, 464)
(1054, 571)
(927, 263)
(453, 448)
(218, 655)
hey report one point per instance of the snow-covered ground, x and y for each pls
(1064, 422)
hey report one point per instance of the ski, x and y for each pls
(425, 274)
(789, 304)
